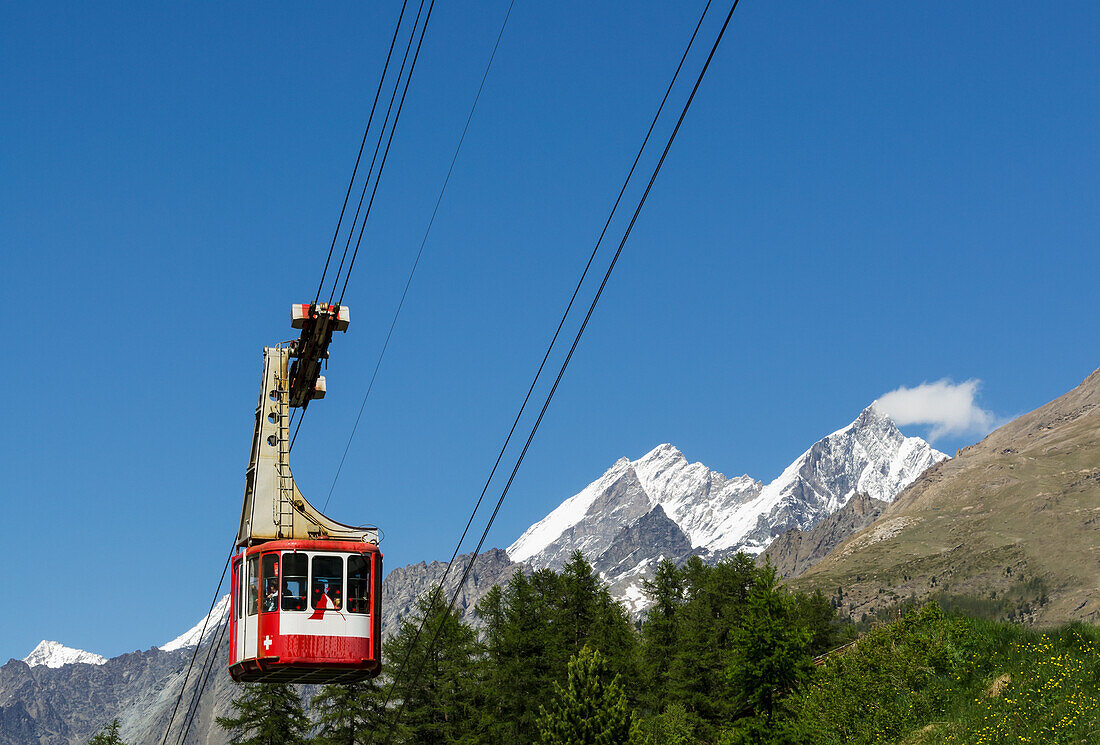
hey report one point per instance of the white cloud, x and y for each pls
(948, 408)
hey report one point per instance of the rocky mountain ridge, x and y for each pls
(796, 551)
(663, 506)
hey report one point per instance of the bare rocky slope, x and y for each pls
(67, 705)
(404, 585)
(1013, 520)
(796, 551)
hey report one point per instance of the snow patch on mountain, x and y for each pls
(191, 637)
(56, 654)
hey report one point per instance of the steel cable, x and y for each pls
(366, 130)
(208, 668)
(194, 654)
(568, 358)
(419, 253)
(386, 153)
(374, 159)
(549, 348)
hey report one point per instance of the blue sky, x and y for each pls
(864, 196)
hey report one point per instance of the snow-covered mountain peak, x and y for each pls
(190, 638)
(665, 452)
(56, 654)
(717, 514)
(870, 456)
(570, 512)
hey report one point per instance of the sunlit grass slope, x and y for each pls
(932, 678)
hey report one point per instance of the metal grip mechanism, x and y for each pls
(317, 322)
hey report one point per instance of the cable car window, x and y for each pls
(237, 588)
(359, 584)
(327, 590)
(295, 567)
(253, 584)
(269, 567)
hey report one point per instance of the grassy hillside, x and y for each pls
(932, 678)
(1012, 523)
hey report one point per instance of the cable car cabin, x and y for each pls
(306, 611)
(306, 592)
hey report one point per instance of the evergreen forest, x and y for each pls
(723, 655)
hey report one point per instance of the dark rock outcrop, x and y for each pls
(796, 551)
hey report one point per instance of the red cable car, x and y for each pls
(306, 590)
(305, 612)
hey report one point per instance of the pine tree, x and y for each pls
(586, 614)
(769, 651)
(715, 599)
(578, 606)
(519, 653)
(675, 726)
(589, 710)
(108, 735)
(533, 627)
(440, 689)
(348, 714)
(660, 631)
(815, 613)
(267, 714)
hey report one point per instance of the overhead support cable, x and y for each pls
(366, 131)
(399, 85)
(202, 633)
(377, 148)
(420, 252)
(386, 153)
(204, 677)
(561, 371)
(546, 355)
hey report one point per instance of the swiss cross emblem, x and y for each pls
(267, 643)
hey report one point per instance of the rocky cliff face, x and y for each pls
(635, 553)
(67, 705)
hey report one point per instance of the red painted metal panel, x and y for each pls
(234, 583)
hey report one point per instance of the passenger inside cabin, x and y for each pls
(271, 596)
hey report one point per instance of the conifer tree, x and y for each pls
(519, 653)
(348, 714)
(108, 735)
(769, 651)
(577, 608)
(440, 689)
(660, 631)
(589, 709)
(715, 598)
(818, 616)
(675, 726)
(267, 714)
(586, 614)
